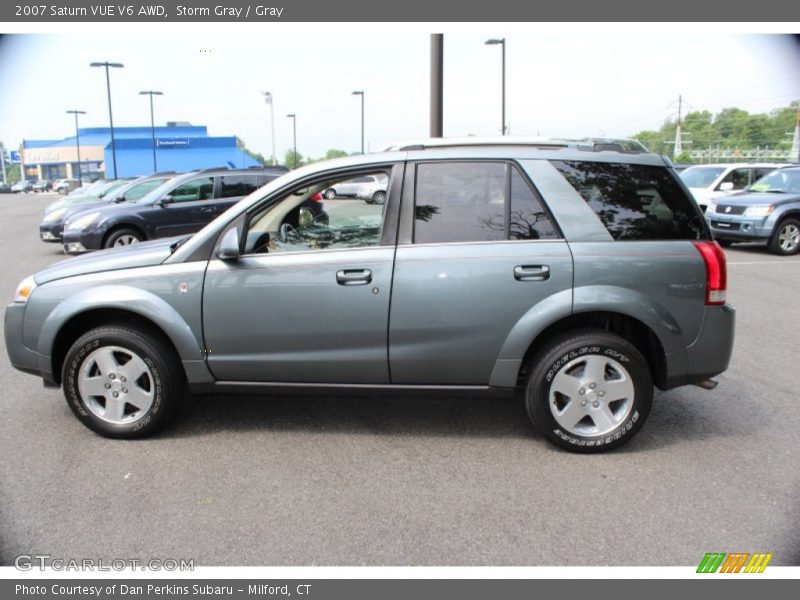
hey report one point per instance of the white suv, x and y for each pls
(707, 182)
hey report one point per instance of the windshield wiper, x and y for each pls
(177, 244)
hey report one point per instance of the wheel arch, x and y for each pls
(113, 304)
(125, 225)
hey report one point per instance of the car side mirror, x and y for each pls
(120, 199)
(164, 200)
(306, 217)
(726, 186)
(229, 246)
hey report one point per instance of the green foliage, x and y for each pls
(293, 160)
(12, 171)
(254, 155)
(334, 153)
(730, 128)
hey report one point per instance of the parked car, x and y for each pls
(92, 192)
(181, 205)
(65, 186)
(43, 185)
(580, 293)
(52, 226)
(349, 188)
(22, 186)
(768, 212)
(708, 182)
(5, 188)
(374, 191)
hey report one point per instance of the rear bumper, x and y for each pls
(709, 354)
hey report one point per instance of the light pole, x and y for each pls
(361, 93)
(268, 99)
(78, 141)
(107, 64)
(293, 117)
(151, 93)
(502, 42)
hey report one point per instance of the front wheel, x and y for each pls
(786, 238)
(330, 194)
(589, 391)
(121, 382)
(123, 237)
(379, 197)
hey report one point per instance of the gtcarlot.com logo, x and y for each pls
(734, 562)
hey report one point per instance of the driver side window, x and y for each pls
(332, 214)
(193, 190)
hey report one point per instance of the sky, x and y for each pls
(560, 83)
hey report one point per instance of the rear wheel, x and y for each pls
(589, 391)
(330, 194)
(121, 382)
(123, 237)
(786, 238)
(379, 197)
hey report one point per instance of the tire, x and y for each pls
(329, 194)
(379, 197)
(113, 356)
(123, 237)
(568, 411)
(786, 238)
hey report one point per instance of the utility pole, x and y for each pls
(152, 93)
(269, 100)
(3, 161)
(78, 142)
(361, 93)
(501, 42)
(437, 84)
(678, 149)
(293, 117)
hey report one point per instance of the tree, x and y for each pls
(293, 159)
(334, 153)
(254, 155)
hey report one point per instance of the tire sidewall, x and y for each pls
(75, 359)
(775, 244)
(549, 364)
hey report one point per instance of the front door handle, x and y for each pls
(354, 277)
(531, 272)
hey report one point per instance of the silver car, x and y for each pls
(570, 273)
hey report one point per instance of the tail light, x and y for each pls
(317, 197)
(716, 271)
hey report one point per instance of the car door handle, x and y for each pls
(531, 272)
(354, 277)
(207, 209)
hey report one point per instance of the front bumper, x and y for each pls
(51, 232)
(739, 227)
(77, 241)
(709, 354)
(20, 356)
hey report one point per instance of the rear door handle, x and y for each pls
(354, 277)
(531, 272)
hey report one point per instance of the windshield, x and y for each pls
(112, 186)
(700, 177)
(162, 189)
(780, 181)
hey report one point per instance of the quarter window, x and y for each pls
(232, 186)
(635, 202)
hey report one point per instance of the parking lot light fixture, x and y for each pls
(361, 93)
(501, 42)
(293, 117)
(152, 93)
(78, 141)
(110, 65)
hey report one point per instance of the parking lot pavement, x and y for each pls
(410, 481)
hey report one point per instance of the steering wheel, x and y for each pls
(285, 231)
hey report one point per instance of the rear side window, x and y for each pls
(240, 185)
(470, 202)
(635, 202)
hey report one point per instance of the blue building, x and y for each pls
(179, 147)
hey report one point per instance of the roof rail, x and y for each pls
(590, 144)
(209, 169)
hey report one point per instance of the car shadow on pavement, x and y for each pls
(677, 417)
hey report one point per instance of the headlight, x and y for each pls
(758, 211)
(54, 206)
(24, 290)
(54, 215)
(82, 221)
(711, 208)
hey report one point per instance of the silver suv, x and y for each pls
(578, 275)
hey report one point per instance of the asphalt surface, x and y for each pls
(410, 481)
